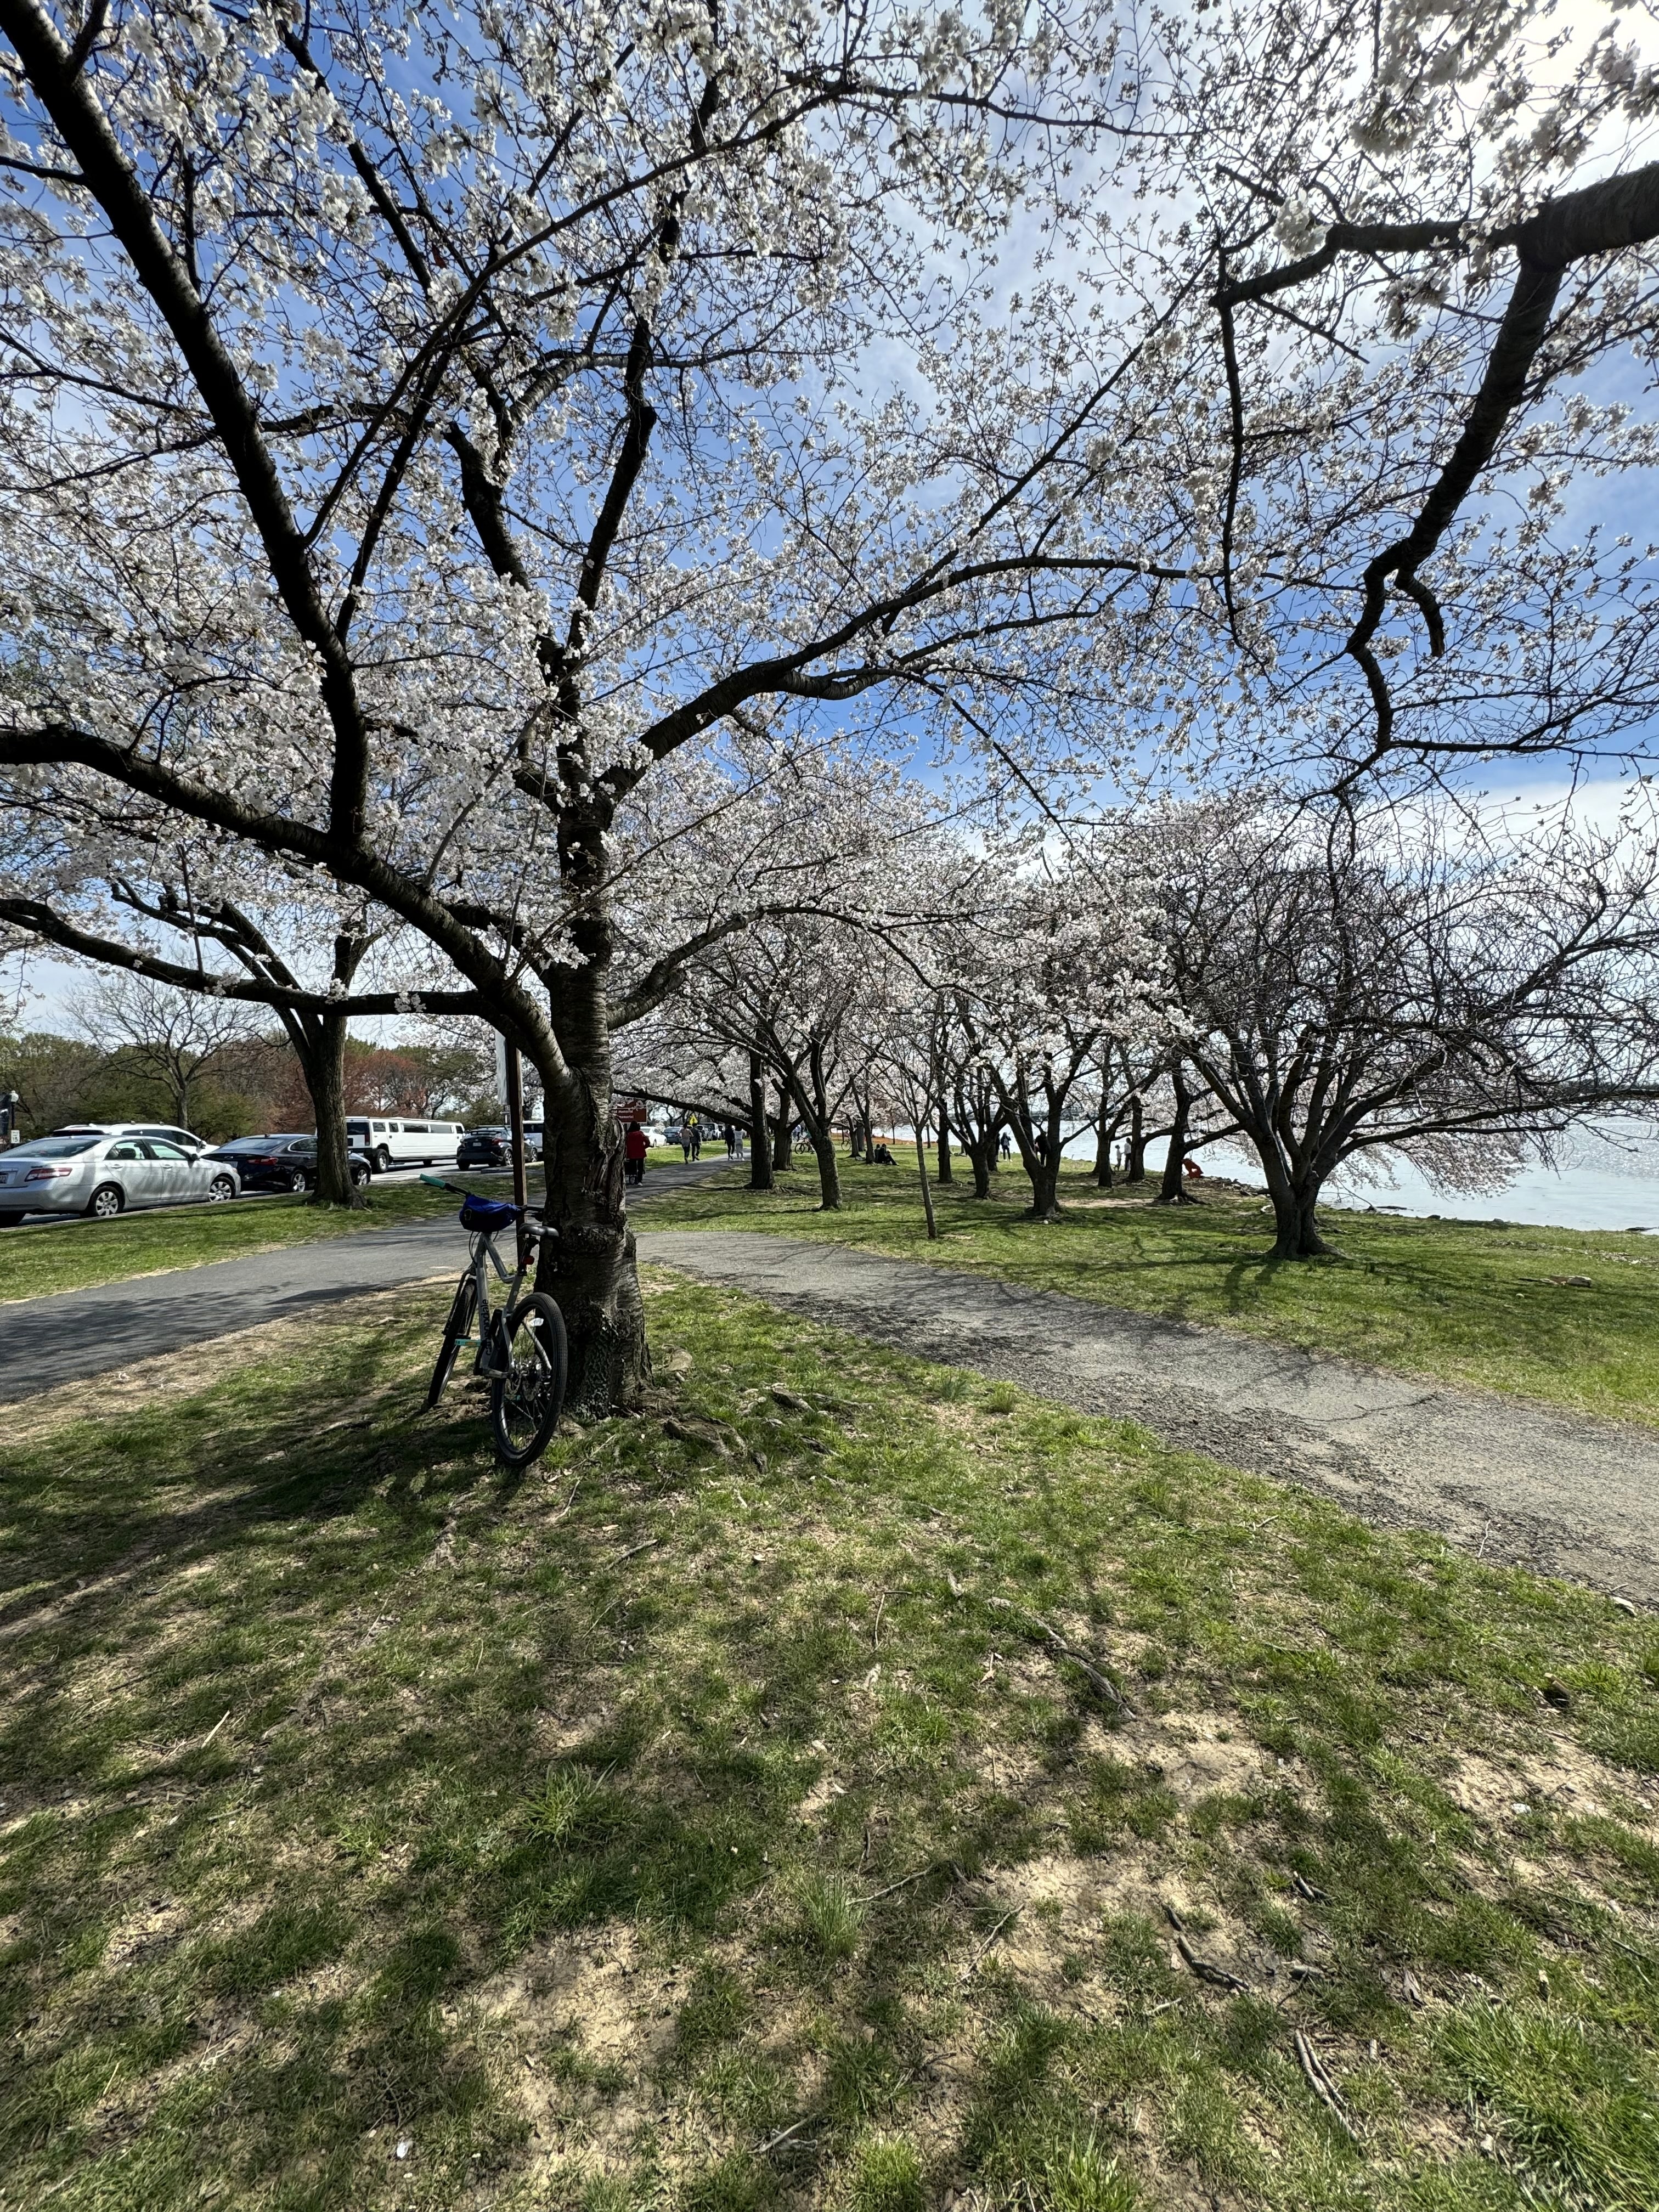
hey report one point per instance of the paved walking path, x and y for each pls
(1545, 1490)
(1511, 1481)
(73, 1334)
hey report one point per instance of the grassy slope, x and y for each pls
(1465, 1302)
(561, 1833)
(40, 1258)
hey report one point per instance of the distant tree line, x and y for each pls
(169, 1067)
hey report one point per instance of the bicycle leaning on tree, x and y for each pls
(521, 1348)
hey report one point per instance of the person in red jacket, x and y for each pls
(635, 1149)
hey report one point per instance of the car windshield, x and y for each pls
(52, 1148)
(489, 1132)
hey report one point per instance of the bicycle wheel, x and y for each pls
(527, 1395)
(458, 1324)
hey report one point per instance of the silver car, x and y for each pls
(103, 1176)
(186, 1140)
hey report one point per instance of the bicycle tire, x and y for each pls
(458, 1326)
(527, 1395)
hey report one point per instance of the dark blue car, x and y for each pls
(281, 1163)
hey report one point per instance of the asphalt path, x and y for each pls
(1509, 1480)
(75, 1334)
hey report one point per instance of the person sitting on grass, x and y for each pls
(881, 1157)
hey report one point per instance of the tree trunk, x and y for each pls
(945, 1173)
(760, 1137)
(1105, 1137)
(589, 1267)
(1135, 1170)
(1294, 1203)
(322, 1063)
(813, 1106)
(982, 1154)
(1042, 1167)
(1173, 1191)
(1045, 1186)
(921, 1169)
(823, 1151)
(178, 1083)
(782, 1155)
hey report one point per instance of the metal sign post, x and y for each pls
(10, 1103)
(515, 1126)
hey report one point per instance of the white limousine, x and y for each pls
(394, 1144)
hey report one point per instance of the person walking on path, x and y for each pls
(697, 1137)
(636, 1146)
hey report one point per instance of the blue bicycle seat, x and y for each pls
(488, 1213)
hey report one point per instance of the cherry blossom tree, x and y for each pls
(141, 894)
(1061, 969)
(1355, 980)
(1416, 247)
(417, 428)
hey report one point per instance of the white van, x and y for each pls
(399, 1143)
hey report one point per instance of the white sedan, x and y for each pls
(103, 1176)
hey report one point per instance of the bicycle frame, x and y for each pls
(483, 1245)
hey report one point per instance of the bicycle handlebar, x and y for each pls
(524, 1212)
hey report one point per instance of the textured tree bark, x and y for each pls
(760, 1137)
(977, 1141)
(782, 1149)
(945, 1170)
(1173, 1189)
(823, 1151)
(1105, 1137)
(810, 1099)
(921, 1169)
(323, 1064)
(1294, 1203)
(1045, 1181)
(589, 1267)
(1135, 1167)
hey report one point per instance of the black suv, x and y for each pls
(485, 1148)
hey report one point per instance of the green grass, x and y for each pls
(1471, 1302)
(45, 1257)
(693, 1824)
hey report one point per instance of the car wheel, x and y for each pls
(359, 1176)
(383, 1162)
(220, 1189)
(297, 1179)
(106, 1202)
(10, 1220)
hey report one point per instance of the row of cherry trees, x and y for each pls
(1319, 984)
(465, 473)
